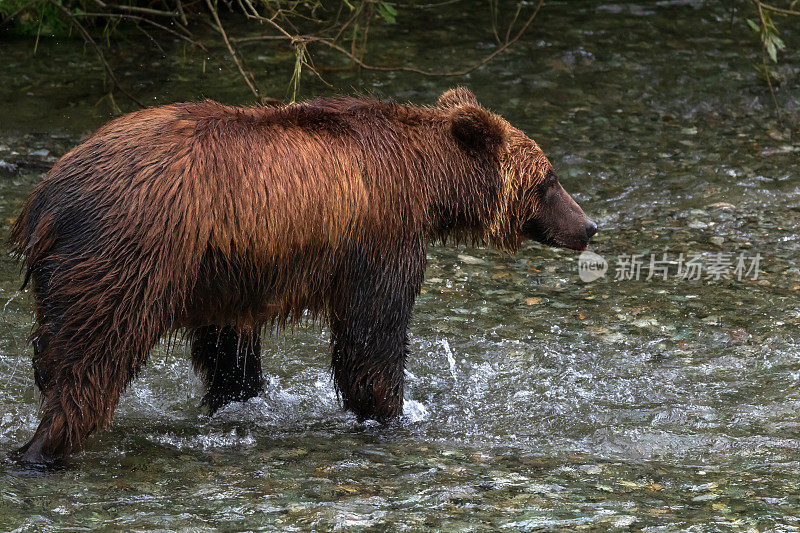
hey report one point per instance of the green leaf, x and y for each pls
(778, 42)
(387, 12)
(773, 54)
(753, 25)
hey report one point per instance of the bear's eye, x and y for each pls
(549, 180)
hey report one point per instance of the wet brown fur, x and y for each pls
(199, 215)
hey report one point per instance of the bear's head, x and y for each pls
(532, 203)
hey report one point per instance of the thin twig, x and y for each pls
(155, 43)
(513, 21)
(309, 62)
(235, 57)
(341, 30)
(764, 64)
(777, 9)
(182, 13)
(147, 10)
(258, 38)
(463, 72)
(147, 21)
(493, 6)
(254, 14)
(427, 6)
(365, 33)
(88, 39)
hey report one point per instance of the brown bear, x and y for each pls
(221, 221)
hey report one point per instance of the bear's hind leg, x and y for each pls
(229, 361)
(76, 404)
(86, 350)
(82, 372)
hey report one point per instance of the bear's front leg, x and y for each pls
(368, 368)
(370, 312)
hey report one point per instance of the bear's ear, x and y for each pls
(455, 97)
(476, 129)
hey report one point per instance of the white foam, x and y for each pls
(414, 411)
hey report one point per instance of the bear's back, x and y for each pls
(192, 177)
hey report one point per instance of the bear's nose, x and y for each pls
(591, 229)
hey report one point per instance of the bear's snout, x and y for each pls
(591, 229)
(579, 240)
(560, 222)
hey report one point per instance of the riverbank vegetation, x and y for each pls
(339, 26)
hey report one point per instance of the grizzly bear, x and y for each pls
(221, 221)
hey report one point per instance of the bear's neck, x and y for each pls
(465, 192)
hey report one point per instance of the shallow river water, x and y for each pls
(535, 401)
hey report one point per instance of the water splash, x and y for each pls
(451, 360)
(415, 411)
(13, 296)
